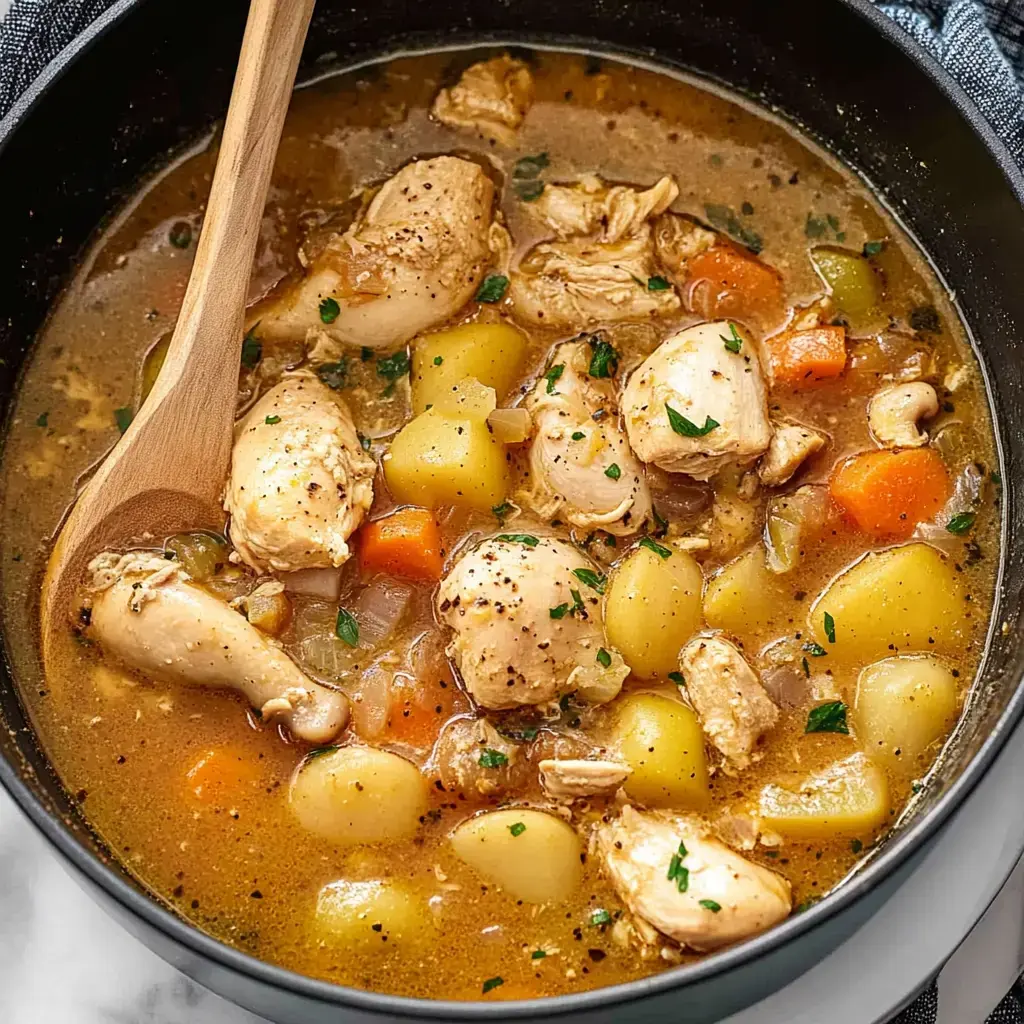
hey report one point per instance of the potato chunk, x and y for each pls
(492, 353)
(661, 740)
(904, 599)
(372, 915)
(849, 798)
(532, 855)
(745, 597)
(435, 461)
(653, 607)
(354, 795)
(903, 706)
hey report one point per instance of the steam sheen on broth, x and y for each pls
(660, 486)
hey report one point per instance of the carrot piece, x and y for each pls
(803, 358)
(887, 493)
(220, 775)
(405, 543)
(724, 283)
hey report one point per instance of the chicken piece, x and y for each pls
(893, 414)
(609, 213)
(413, 258)
(492, 98)
(527, 627)
(144, 611)
(677, 240)
(300, 482)
(581, 468)
(465, 769)
(733, 707)
(567, 779)
(720, 899)
(790, 446)
(698, 403)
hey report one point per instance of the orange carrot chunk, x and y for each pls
(220, 776)
(803, 358)
(886, 494)
(405, 543)
(725, 283)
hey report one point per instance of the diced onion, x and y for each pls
(322, 583)
(510, 426)
(379, 609)
(469, 399)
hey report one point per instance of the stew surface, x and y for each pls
(613, 527)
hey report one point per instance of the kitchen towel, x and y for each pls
(981, 44)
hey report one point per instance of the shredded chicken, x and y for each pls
(180, 633)
(521, 636)
(733, 707)
(791, 445)
(698, 403)
(492, 98)
(580, 778)
(581, 468)
(300, 482)
(725, 897)
(413, 258)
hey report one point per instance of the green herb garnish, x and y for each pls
(658, 549)
(538, 954)
(830, 628)
(678, 678)
(180, 235)
(321, 751)
(961, 522)
(685, 428)
(925, 318)
(501, 511)
(271, 420)
(734, 342)
(599, 917)
(492, 288)
(493, 759)
(807, 667)
(594, 580)
(559, 612)
(660, 522)
(577, 602)
(604, 360)
(872, 248)
(438, 360)
(491, 983)
(346, 628)
(519, 538)
(578, 435)
(828, 717)
(815, 650)
(517, 829)
(530, 166)
(724, 219)
(657, 284)
(604, 659)
(334, 375)
(364, 442)
(552, 377)
(329, 310)
(613, 472)
(123, 418)
(710, 905)
(529, 190)
(676, 872)
(43, 419)
(393, 367)
(252, 348)
(856, 846)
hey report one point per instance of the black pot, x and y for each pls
(152, 75)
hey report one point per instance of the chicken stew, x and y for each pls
(609, 538)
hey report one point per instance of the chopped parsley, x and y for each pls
(528, 190)
(123, 418)
(807, 667)
(815, 650)
(523, 734)
(271, 420)
(961, 523)
(609, 540)
(828, 717)
(657, 284)
(578, 435)
(346, 628)
(538, 954)
(180, 235)
(710, 905)
(392, 368)
(856, 846)
(334, 375)
(872, 248)
(492, 288)
(493, 759)
(677, 678)
(599, 917)
(815, 227)
(321, 751)
(559, 612)
(501, 511)
(329, 310)
(552, 377)
(660, 522)
(577, 602)
(686, 428)
(724, 219)
(518, 538)
(660, 550)
(594, 580)
(252, 348)
(676, 872)
(613, 472)
(492, 983)
(438, 360)
(517, 829)
(830, 628)
(604, 659)
(734, 342)
(43, 419)
(530, 166)
(604, 360)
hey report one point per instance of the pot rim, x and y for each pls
(902, 846)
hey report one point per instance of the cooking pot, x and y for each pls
(151, 76)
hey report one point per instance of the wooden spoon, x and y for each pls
(167, 472)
